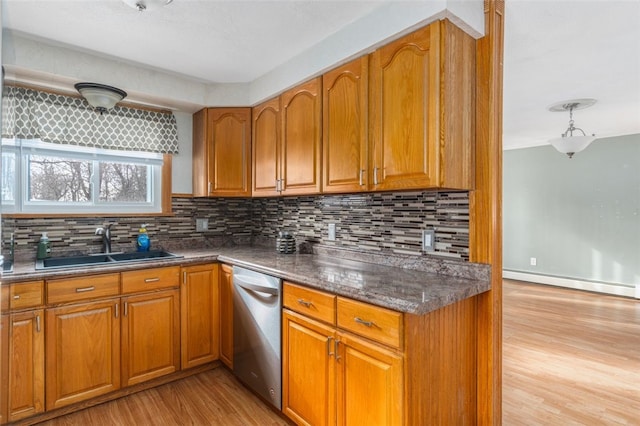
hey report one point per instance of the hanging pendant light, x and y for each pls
(567, 143)
(146, 5)
(100, 96)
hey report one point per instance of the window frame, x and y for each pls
(159, 178)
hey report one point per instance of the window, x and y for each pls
(40, 177)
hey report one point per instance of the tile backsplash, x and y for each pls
(376, 222)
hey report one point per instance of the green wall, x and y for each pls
(579, 217)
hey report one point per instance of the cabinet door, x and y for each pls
(82, 344)
(308, 371)
(344, 127)
(150, 336)
(4, 356)
(301, 139)
(26, 364)
(229, 159)
(199, 315)
(369, 384)
(266, 148)
(403, 116)
(226, 315)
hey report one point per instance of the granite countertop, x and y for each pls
(401, 289)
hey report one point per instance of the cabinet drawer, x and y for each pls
(26, 295)
(150, 279)
(379, 324)
(81, 288)
(312, 303)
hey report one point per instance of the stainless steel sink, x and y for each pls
(101, 259)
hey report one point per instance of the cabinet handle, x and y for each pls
(38, 323)
(375, 175)
(209, 187)
(363, 322)
(151, 280)
(84, 289)
(305, 303)
(329, 353)
(336, 346)
(278, 189)
(184, 277)
(117, 309)
(16, 297)
(281, 185)
(362, 176)
(125, 308)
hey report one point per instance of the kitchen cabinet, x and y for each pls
(222, 152)
(422, 110)
(82, 346)
(333, 376)
(287, 142)
(345, 161)
(226, 315)
(26, 364)
(266, 148)
(150, 336)
(4, 359)
(199, 311)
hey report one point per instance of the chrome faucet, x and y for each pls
(105, 231)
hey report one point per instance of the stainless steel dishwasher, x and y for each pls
(257, 303)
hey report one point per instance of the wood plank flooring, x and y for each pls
(214, 397)
(569, 357)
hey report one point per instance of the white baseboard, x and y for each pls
(607, 288)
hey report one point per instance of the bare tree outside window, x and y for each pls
(123, 182)
(59, 179)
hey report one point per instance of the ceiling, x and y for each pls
(554, 50)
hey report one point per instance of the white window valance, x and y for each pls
(33, 114)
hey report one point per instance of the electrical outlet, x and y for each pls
(533, 261)
(428, 240)
(332, 232)
(202, 225)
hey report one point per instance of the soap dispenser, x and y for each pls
(44, 247)
(143, 238)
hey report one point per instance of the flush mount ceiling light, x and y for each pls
(567, 143)
(144, 5)
(100, 96)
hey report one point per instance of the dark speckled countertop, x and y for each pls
(401, 289)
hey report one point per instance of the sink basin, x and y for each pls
(140, 255)
(7, 266)
(101, 259)
(67, 262)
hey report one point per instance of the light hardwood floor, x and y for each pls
(569, 357)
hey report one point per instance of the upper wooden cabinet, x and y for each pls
(266, 148)
(344, 128)
(422, 110)
(301, 139)
(222, 152)
(287, 142)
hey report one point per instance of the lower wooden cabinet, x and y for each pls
(200, 341)
(26, 365)
(150, 336)
(331, 377)
(226, 315)
(83, 352)
(4, 355)
(308, 370)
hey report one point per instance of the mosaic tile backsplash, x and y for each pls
(390, 223)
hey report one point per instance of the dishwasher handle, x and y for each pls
(255, 287)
